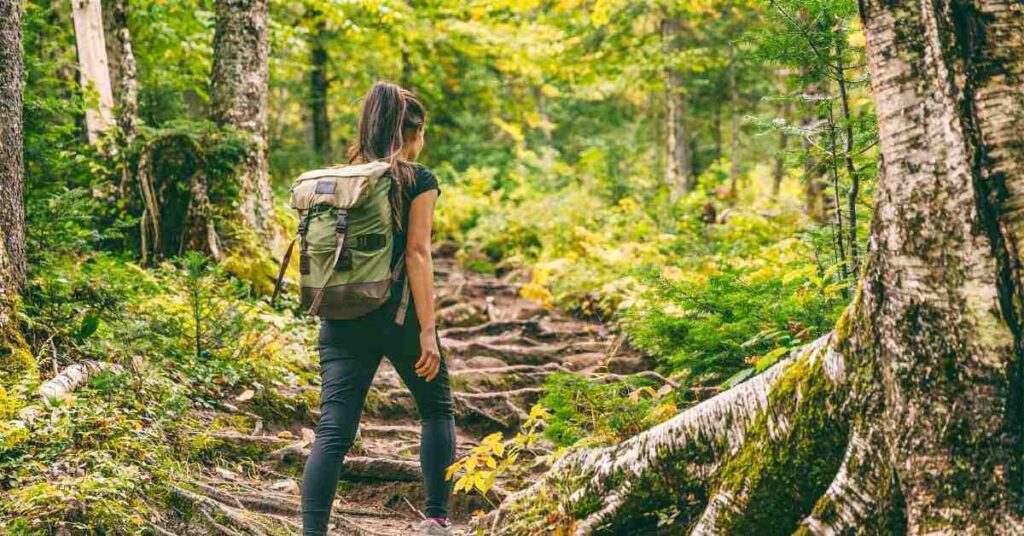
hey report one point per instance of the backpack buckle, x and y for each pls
(344, 261)
(341, 225)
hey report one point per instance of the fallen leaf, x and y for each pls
(246, 395)
(285, 434)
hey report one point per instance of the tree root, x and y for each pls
(237, 517)
(361, 467)
(860, 490)
(498, 411)
(491, 328)
(513, 355)
(605, 489)
(513, 376)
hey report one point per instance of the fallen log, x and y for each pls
(73, 377)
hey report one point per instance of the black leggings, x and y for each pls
(350, 351)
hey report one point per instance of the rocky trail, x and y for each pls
(500, 346)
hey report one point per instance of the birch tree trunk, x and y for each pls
(678, 160)
(241, 51)
(908, 418)
(93, 67)
(123, 72)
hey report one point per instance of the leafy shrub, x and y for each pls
(712, 322)
(602, 412)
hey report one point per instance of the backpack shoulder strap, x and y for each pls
(403, 304)
(279, 282)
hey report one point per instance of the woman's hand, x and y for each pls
(429, 363)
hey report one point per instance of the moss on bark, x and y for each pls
(791, 455)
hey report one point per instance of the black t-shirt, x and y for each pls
(425, 181)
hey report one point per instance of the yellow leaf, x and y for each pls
(483, 481)
(452, 469)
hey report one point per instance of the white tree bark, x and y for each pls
(121, 57)
(73, 377)
(678, 161)
(93, 68)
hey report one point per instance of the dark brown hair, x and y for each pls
(390, 116)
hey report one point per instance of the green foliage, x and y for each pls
(602, 412)
(99, 460)
(716, 320)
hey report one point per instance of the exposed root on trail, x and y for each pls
(715, 448)
(358, 467)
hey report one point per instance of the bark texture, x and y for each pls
(944, 285)
(241, 50)
(123, 72)
(93, 67)
(678, 160)
(908, 418)
(14, 354)
(12, 212)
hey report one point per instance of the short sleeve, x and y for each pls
(425, 181)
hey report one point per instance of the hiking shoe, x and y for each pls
(431, 527)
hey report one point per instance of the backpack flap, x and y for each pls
(342, 187)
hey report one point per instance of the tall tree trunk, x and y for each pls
(851, 170)
(838, 223)
(241, 50)
(734, 125)
(92, 60)
(779, 172)
(12, 212)
(318, 85)
(678, 160)
(909, 417)
(816, 203)
(123, 75)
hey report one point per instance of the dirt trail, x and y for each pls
(500, 347)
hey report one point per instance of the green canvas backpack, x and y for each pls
(345, 241)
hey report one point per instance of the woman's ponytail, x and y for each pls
(390, 115)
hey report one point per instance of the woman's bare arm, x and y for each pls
(420, 270)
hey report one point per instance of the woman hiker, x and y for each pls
(391, 129)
